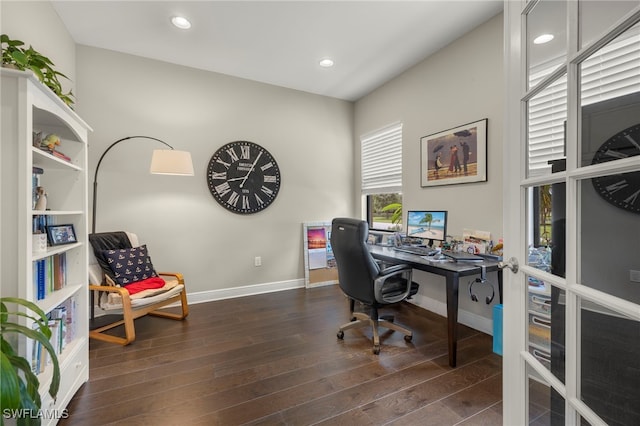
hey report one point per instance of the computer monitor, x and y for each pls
(427, 224)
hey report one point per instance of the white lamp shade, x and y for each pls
(171, 162)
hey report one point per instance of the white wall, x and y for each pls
(36, 23)
(310, 137)
(460, 84)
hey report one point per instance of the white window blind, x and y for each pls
(611, 72)
(382, 160)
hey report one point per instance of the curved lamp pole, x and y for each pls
(166, 161)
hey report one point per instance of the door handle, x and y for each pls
(511, 264)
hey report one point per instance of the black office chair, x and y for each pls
(362, 279)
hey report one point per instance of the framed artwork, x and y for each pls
(319, 263)
(61, 234)
(457, 155)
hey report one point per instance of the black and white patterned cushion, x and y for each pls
(130, 265)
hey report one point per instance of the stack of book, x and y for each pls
(62, 326)
(49, 274)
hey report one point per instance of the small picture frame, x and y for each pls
(61, 234)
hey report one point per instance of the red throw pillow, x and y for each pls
(148, 284)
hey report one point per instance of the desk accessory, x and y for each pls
(482, 279)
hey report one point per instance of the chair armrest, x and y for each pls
(177, 275)
(395, 269)
(110, 288)
(390, 272)
(124, 294)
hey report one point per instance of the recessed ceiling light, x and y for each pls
(181, 22)
(542, 39)
(326, 63)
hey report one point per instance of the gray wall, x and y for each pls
(460, 84)
(310, 137)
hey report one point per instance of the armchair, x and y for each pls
(362, 279)
(133, 300)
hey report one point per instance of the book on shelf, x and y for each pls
(56, 153)
(60, 155)
(49, 274)
(40, 223)
(62, 326)
(35, 183)
(40, 279)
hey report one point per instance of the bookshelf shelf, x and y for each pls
(55, 250)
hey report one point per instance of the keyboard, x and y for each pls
(420, 251)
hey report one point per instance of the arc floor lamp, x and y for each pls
(163, 162)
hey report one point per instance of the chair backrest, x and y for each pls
(107, 241)
(356, 266)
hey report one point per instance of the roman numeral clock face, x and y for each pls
(243, 177)
(621, 190)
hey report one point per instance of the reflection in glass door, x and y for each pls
(572, 313)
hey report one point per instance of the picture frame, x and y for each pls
(454, 156)
(320, 266)
(61, 234)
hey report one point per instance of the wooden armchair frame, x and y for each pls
(130, 312)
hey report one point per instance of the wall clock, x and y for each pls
(621, 190)
(243, 177)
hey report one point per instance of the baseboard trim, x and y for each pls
(467, 318)
(249, 290)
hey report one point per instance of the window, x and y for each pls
(382, 177)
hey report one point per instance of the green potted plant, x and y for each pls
(396, 216)
(14, 55)
(18, 383)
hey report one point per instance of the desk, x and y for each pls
(452, 271)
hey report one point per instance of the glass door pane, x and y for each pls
(546, 406)
(546, 39)
(547, 117)
(609, 235)
(610, 100)
(598, 16)
(610, 365)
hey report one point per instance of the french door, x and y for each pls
(572, 212)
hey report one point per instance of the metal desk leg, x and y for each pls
(453, 279)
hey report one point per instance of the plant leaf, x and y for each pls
(9, 384)
(392, 206)
(19, 57)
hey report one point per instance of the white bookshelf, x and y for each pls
(27, 107)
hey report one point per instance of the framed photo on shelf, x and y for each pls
(61, 234)
(453, 156)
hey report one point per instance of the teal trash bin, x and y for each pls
(497, 329)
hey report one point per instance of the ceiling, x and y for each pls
(281, 42)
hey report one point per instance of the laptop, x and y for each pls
(461, 256)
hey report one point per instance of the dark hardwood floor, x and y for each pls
(274, 359)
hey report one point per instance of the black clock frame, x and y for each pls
(243, 177)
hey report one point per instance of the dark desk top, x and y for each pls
(424, 263)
